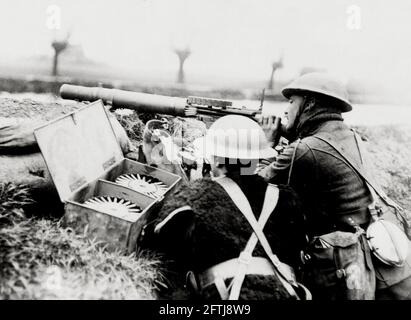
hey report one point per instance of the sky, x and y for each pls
(230, 39)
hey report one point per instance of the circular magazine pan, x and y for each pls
(147, 185)
(113, 205)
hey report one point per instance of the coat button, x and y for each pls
(340, 273)
(305, 257)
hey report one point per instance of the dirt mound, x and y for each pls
(27, 108)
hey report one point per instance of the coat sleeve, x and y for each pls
(278, 171)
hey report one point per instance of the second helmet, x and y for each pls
(237, 137)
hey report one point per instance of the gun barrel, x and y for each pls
(143, 102)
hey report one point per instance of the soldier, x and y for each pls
(202, 226)
(334, 196)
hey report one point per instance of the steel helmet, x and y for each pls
(322, 83)
(237, 137)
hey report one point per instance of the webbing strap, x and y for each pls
(270, 202)
(221, 288)
(326, 137)
(240, 200)
(373, 188)
(292, 161)
(373, 206)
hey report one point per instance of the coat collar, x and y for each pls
(323, 121)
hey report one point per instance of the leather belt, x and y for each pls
(359, 217)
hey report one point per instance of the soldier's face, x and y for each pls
(291, 112)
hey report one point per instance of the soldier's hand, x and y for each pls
(271, 126)
(265, 171)
(261, 165)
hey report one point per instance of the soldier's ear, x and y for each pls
(310, 103)
(178, 224)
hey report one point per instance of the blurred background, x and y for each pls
(229, 49)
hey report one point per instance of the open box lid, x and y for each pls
(78, 148)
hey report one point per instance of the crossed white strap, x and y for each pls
(271, 198)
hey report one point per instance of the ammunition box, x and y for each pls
(84, 159)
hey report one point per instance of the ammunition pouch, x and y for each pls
(338, 266)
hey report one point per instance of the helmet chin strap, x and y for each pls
(292, 134)
(300, 111)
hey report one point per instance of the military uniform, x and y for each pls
(332, 192)
(219, 232)
(334, 196)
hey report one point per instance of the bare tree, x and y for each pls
(275, 66)
(59, 46)
(182, 56)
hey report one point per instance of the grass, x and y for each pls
(133, 126)
(13, 199)
(42, 260)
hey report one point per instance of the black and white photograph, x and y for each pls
(205, 154)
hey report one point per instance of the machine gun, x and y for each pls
(205, 109)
